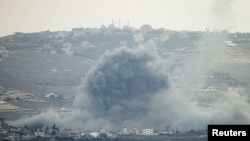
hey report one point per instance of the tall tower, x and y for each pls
(119, 23)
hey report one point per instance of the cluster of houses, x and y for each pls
(8, 132)
(80, 40)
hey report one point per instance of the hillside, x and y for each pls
(54, 63)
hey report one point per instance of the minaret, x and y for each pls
(119, 23)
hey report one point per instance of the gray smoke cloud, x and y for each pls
(131, 87)
(197, 108)
(121, 87)
(117, 92)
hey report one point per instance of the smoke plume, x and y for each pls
(121, 87)
(131, 87)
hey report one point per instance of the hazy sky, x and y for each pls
(41, 15)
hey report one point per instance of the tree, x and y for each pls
(46, 129)
(25, 126)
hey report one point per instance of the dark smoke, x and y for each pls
(120, 88)
(130, 88)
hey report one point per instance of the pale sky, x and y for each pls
(54, 15)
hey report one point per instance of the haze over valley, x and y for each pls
(112, 70)
(98, 73)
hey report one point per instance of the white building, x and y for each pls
(138, 38)
(3, 53)
(164, 36)
(76, 134)
(147, 131)
(230, 43)
(40, 133)
(94, 134)
(124, 131)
